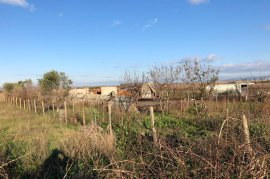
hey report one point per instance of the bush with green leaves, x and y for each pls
(55, 86)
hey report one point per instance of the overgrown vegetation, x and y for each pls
(197, 137)
(54, 86)
(191, 143)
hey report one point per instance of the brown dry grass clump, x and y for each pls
(89, 141)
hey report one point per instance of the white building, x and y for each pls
(239, 87)
(108, 90)
(78, 92)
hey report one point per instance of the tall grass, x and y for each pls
(191, 143)
(30, 140)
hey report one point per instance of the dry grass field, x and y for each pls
(195, 139)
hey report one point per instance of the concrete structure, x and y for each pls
(78, 92)
(104, 90)
(94, 94)
(148, 91)
(108, 90)
(238, 87)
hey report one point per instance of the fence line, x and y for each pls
(33, 106)
(38, 107)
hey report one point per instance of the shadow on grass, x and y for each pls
(58, 165)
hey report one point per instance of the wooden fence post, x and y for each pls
(246, 135)
(29, 105)
(20, 101)
(43, 108)
(110, 117)
(83, 112)
(35, 106)
(152, 116)
(53, 107)
(65, 105)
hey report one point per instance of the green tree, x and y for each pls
(55, 86)
(25, 83)
(9, 87)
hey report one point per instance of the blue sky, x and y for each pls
(96, 40)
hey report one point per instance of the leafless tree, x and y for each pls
(21, 89)
(26, 90)
(132, 82)
(197, 76)
(164, 76)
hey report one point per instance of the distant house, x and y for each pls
(148, 91)
(78, 92)
(237, 87)
(104, 90)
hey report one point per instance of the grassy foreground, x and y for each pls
(191, 146)
(33, 146)
(28, 137)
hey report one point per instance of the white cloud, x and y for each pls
(116, 22)
(197, 2)
(20, 3)
(210, 58)
(267, 27)
(256, 66)
(150, 24)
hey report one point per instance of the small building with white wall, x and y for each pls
(237, 87)
(78, 92)
(108, 90)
